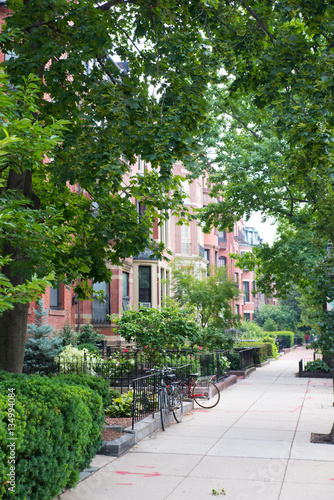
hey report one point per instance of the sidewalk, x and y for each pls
(255, 445)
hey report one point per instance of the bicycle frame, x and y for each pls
(188, 389)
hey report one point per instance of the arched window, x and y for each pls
(222, 261)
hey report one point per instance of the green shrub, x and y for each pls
(98, 384)
(121, 406)
(234, 360)
(317, 366)
(57, 430)
(289, 336)
(88, 335)
(90, 348)
(113, 394)
(264, 350)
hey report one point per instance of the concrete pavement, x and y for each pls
(255, 445)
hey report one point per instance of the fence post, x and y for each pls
(300, 366)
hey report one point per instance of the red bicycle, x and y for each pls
(203, 390)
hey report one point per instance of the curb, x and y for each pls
(142, 429)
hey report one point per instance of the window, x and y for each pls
(141, 209)
(222, 261)
(55, 298)
(247, 316)
(207, 256)
(125, 291)
(145, 287)
(101, 302)
(167, 282)
(185, 188)
(246, 291)
(141, 165)
(185, 247)
(216, 259)
(236, 279)
(237, 309)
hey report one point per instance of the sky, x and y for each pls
(265, 229)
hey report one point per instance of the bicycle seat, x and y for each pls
(171, 375)
(194, 374)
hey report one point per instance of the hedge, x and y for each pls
(98, 384)
(289, 336)
(262, 350)
(57, 433)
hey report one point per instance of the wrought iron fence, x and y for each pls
(145, 393)
(122, 366)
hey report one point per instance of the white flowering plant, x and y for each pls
(74, 360)
(224, 363)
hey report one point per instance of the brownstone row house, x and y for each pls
(141, 281)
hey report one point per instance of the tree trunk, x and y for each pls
(13, 331)
(13, 322)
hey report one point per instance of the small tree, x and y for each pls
(169, 328)
(41, 347)
(88, 335)
(67, 334)
(211, 296)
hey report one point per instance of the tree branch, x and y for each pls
(261, 24)
(233, 115)
(105, 69)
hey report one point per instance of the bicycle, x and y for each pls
(203, 390)
(169, 396)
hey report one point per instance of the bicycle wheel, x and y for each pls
(206, 396)
(177, 404)
(163, 408)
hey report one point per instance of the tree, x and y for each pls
(27, 235)
(274, 129)
(151, 104)
(280, 317)
(212, 296)
(41, 346)
(169, 328)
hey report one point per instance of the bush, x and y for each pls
(121, 406)
(57, 430)
(216, 338)
(113, 394)
(317, 366)
(41, 346)
(265, 350)
(289, 336)
(88, 335)
(91, 348)
(251, 330)
(67, 334)
(98, 384)
(74, 360)
(234, 360)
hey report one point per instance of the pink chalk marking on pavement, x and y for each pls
(124, 484)
(291, 411)
(146, 466)
(145, 474)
